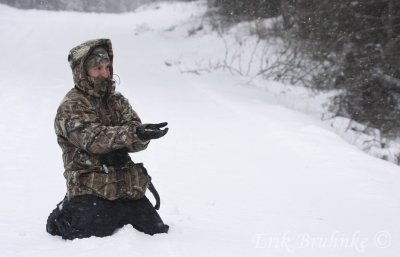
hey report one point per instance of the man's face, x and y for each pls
(101, 71)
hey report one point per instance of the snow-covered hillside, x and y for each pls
(238, 174)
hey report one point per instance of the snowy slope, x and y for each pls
(238, 174)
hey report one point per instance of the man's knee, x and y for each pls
(83, 217)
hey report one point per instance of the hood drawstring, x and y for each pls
(119, 79)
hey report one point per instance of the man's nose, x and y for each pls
(104, 73)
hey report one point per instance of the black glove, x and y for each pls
(151, 131)
(155, 126)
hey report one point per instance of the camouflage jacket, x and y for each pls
(96, 130)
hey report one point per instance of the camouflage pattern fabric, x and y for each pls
(98, 56)
(92, 124)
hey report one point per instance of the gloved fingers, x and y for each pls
(158, 133)
(165, 131)
(155, 126)
(145, 134)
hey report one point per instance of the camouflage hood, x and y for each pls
(77, 57)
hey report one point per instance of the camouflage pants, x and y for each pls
(89, 215)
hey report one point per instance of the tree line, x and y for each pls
(107, 6)
(360, 40)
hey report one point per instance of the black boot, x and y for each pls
(51, 225)
(142, 215)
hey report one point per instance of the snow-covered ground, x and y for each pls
(239, 174)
